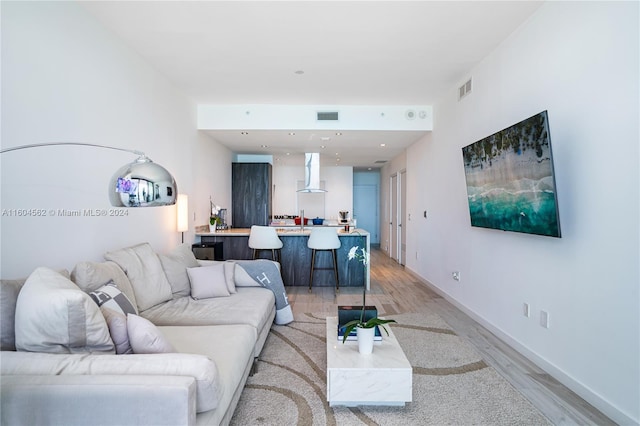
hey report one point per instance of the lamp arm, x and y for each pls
(36, 145)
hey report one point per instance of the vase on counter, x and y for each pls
(212, 228)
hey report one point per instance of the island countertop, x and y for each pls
(296, 256)
(291, 231)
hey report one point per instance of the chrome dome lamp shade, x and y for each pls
(141, 183)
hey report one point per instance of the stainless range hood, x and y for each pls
(312, 173)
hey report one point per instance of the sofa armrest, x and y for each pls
(90, 399)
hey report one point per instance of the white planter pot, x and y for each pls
(365, 340)
(212, 228)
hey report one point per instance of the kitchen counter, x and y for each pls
(296, 256)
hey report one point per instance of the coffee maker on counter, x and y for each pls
(344, 217)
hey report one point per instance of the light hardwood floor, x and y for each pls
(394, 291)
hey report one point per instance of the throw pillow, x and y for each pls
(9, 290)
(117, 323)
(145, 338)
(229, 268)
(175, 266)
(208, 281)
(142, 266)
(109, 296)
(54, 315)
(90, 276)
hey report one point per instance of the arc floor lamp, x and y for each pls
(141, 183)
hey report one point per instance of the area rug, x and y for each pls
(452, 385)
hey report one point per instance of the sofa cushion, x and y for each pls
(175, 266)
(109, 296)
(232, 358)
(208, 281)
(198, 366)
(229, 271)
(117, 323)
(144, 270)
(251, 306)
(90, 276)
(145, 338)
(54, 315)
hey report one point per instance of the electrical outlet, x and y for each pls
(544, 319)
(455, 275)
(526, 311)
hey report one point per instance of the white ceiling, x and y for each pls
(349, 53)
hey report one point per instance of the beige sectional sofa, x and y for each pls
(183, 357)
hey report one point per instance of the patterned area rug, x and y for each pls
(452, 385)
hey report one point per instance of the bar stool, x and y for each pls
(324, 239)
(265, 238)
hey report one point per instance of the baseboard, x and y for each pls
(587, 394)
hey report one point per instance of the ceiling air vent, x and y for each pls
(380, 161)
(464, 90)
(327, 116)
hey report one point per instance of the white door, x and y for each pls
(402, 229)
(393, 217)
(366, 210)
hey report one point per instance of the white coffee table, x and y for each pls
(381, 378)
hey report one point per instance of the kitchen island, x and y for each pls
(296, 256)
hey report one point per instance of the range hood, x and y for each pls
(312, 173)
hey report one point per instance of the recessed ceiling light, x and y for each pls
(383, 144)
(288, 153)
(325, 138)
(264, 146)
(338, 133)
(292, 133)
(322, 146)
(337, 153)
(299, 72)
(244, 133)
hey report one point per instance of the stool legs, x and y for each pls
(313, 261)
(335, 267)
(276, 254)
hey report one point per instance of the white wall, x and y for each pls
(338, 183)
(579, 61)
(64, 78)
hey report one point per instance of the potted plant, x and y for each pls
(214, 219)
(365, 329)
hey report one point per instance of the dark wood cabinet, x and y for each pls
(251, 195)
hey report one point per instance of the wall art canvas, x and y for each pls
(510, 179)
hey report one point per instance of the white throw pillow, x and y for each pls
(117, 323)
(208, 281)
(54, 315)
(229, 272)
(175, 266)
(145, 338)
(142, 266)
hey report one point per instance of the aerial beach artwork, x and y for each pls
(510, 179)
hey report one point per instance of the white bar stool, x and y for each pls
(265, 238)
(324, 239)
